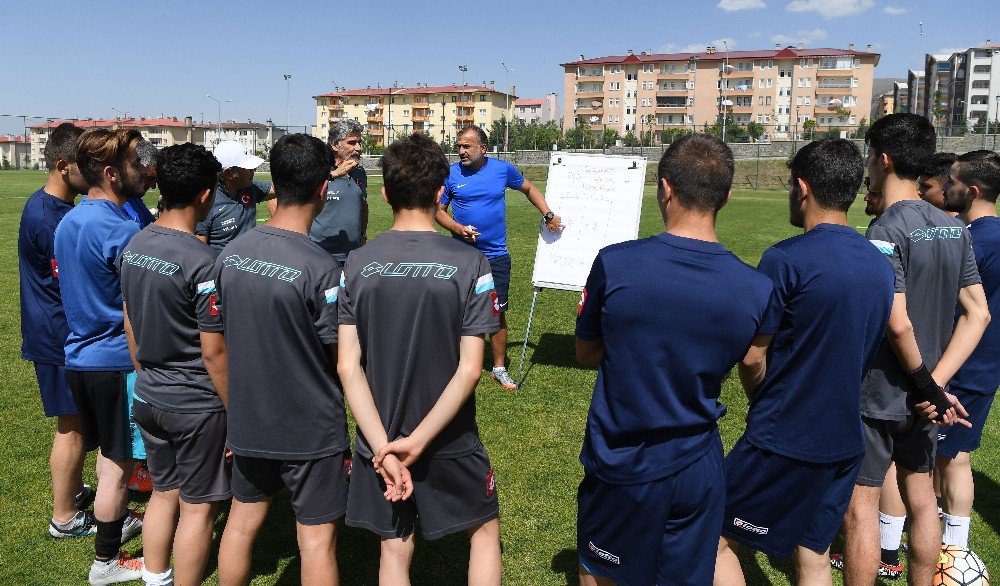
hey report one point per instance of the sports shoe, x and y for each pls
(121, 568)
(140, 481)
(81, 525)
(884, 570)
(501, 375)
(85, 498)
(132, 527)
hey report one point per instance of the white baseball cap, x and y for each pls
(230, 153)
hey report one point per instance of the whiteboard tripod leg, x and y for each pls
(524, 347)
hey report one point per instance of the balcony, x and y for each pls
(673, 75)
(671, 106)
(672, 92)
(590, 94)
(834, 84)
(839, 72)
(735, 91)
(374, 118)
(420, 117)
(466, 104)
(589, 77)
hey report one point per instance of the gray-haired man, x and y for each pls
(341, 226)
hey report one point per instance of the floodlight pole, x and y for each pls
(218, 127)
(506, 114)
(463, 69)
(288, 98)
(725, 83)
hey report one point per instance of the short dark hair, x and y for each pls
(908, 139)
(833, 168)
(299, 165)
(700, 170)
(182, 172)
(982, 169)
(479, 132)
(939, 165)
(100, 148)
(413, 170)
(61, 145)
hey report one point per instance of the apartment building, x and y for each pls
(901, 96)
(257, 137)
(540, 110)
(915, 101)
(161, 132)
(937, 87)
(439, 111)
(780, 88)
(975, 85)
(884, 105)
(14, 151)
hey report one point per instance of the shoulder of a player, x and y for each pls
(625, 248)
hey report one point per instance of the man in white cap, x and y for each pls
(236, 196)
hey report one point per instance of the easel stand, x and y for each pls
(524, 347)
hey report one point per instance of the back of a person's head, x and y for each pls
(61, 145)
(413, 170)
(833, 168)
(908, 139)
(982, 169)
(299, 165)
(97, 149)
(700, 170)
(939, 166)
(183, 171)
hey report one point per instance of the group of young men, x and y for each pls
(247, 339)
(847, 348)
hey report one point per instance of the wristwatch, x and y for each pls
(548, 217)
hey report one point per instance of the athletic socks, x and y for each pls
(956, 530)
(162, 579)
(109, 538)
(890, 536)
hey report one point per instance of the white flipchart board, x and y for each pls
(599, 198)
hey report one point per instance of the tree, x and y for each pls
(755, 130)
(608, 137)
(832, 132)
(862, 128)
(370, 146)
(630, 140)
(809, 127)
(579, 137)
(4, 163)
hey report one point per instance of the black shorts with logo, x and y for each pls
(185, 451)
(449, 495)
(102, 400)
(319, 487)
(910, 443)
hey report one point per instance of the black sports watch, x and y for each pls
(548, 217)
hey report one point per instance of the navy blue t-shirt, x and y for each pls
(43, 320)
(480, 199)
(675, 314)
(835, 293)
(981, 372)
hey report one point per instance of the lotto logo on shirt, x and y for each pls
(491, 483)
(583, 299)
(55, 268)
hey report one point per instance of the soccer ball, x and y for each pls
(958, 566)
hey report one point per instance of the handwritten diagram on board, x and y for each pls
(599, 198)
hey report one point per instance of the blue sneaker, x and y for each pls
(81, 525)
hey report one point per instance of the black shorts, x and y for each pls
(910, 443)
(500, 267)
(185, 451)
(57, 399)
(318, 487)
(102, 401)
(958, 438)
(449, 495)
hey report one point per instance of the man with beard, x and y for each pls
(342, 225)
(477, 188)
(236, 196)
(88, 243)
(933, 181)
(43, 329)
(972, 188)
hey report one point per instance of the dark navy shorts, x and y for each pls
(57, 399)
(661, 532)
(102, 400)
(958, 438)
(500, 267)
(318, 487)
(775, 503)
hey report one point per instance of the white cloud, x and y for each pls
(734, 5)
(895, 10)
(831, 8)
(698, 47)
(806, 37)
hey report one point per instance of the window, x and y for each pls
(769, 80)
(454, 98)
(482, 97)
(767, 118)
(760, 118)
(648, 68)
(808, 99)
(767, 101)
(482, 111)
(809, 82)
(854, 119)
(615, 85)
(406, 112)
(760, 100)
(798, 101)
(809, 63)
(802, 82)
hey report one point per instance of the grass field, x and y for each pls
(533, 435)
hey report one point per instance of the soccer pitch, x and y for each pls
(533, 435)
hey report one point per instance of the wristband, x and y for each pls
(924, 388)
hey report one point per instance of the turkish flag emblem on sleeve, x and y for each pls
(213, 305)
(583, 299)
(496, 302)
(55, 268)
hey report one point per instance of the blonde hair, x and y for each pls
(102, 148)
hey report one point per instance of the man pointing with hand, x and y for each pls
(476, 188)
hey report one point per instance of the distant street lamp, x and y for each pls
(506, 114)
(288, 97)
(725, 84)
(218, 127)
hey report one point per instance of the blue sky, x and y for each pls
(87, 58)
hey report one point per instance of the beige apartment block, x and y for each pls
(438, 111)
(779, 88)
(14, 150)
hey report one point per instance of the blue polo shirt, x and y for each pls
(981, 372)
(88, 243)
(135, 208)
(479, 198)
(835, 292)
(675, 314)
(43, 321)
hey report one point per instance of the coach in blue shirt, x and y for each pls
(667, 318)
(476, 189)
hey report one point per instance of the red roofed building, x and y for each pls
(14, 151)
(439, 111)
(779, 88)
(540, 110)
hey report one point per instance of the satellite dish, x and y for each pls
(595, 118)
(372, 107)
(726, 68)
(596, 103)
(727, 102)
(835, 102)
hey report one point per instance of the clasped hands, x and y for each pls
(392, 462)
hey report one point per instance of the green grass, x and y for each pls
(533, 435)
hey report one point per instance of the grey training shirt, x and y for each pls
(337, 229)
(168, 288)
(279, 306)
(931, 253)
(232, 215)
(412, 296)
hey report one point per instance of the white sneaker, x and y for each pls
(121, 568)
(503, 377)
(132, 527)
